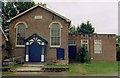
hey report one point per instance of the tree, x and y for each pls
(11, 9)
(118, 40)
(78, 28)
(72, 30)
(83, 56)
(118, 53)
(118, 48)
(82, 29)
(8, 48)
(86, 28)
(22, 6)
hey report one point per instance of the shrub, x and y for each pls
(8, 48)
(83, 56)
(118, 53)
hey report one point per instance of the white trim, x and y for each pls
(42, 58)
(60, 33)
(54, 46)
(71, 44)
(22, 23)
(27, 43)
(38, 5)
(27, 57)
(55, 22)
(4, 34)
(39, 17)
(20, 45)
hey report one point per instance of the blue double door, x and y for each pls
(35, 51)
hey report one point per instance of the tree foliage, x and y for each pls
(118, 39)
(83, 56)
(11, 9)
(72, 30)
(118, 53)
(118, 48)
(84, 28)
(8, 48)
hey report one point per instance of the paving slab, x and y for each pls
(33, 65)
(28, 69)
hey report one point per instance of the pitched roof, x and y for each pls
(3, 34)
(44, 7)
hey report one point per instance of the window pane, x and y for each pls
(71, 42)
(84, 43)
(97, 46)
(55, 34)
(20, 34)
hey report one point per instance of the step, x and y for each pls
(39, 73)
(28, 69)
(28, 73)
(33, 65)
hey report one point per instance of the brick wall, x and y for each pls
(41, 27)
(108, 46)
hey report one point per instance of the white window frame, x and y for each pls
(100, 44)
(16, 26)
(60, 33)
(86, 43)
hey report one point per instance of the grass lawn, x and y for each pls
(80, 69)
(11, 67)
(89, 69)
(56, 66)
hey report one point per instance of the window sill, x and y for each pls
(20, 45)
(54, 46)
(97, 53)
(71, 44)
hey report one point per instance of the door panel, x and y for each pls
(72, 52)
(35, 52)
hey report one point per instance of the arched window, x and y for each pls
(20, 34)
(55, 34)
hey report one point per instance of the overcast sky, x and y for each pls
(103, 14)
